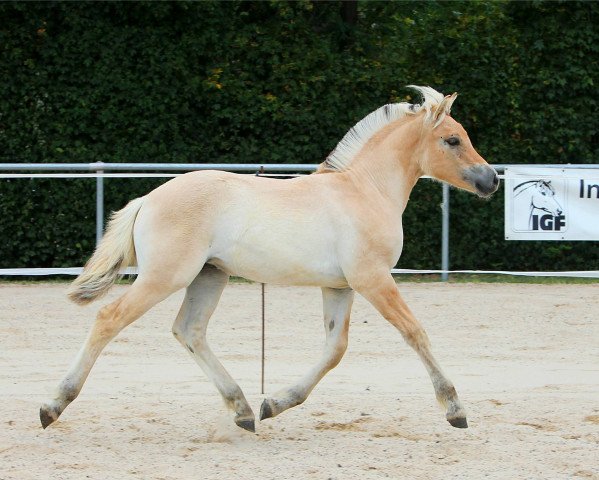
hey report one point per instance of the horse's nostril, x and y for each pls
(484, 178)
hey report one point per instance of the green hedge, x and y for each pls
(277, 82)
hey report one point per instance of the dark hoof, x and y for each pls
(265, 410)
(247, 424)
(45, 418)
(458, 422)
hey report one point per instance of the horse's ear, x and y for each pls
(450, 99)
(443, 109)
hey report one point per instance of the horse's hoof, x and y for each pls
(46, 418)
(265, 410)
(246, 424)
(458, 422)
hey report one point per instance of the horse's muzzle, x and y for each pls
(484, 178)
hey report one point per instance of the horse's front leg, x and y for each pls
(381, 291)
(337, 308)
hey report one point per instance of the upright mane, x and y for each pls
(518, 189)
(357, 136)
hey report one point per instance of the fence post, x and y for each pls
(99, 203)
(263, 353)
(445, 234)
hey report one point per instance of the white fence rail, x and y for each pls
(100, 170)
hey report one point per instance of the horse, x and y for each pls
(539, 195)
(339, 228)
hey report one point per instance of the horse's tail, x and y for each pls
(115, 251)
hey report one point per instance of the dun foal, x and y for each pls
(339, 229)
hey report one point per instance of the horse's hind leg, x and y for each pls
(189, 329)
(382, 292)
(337, 308)
(111, 319)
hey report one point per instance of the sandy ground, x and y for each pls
(524, 358)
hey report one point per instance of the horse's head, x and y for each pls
(543, 198)
(446, 151)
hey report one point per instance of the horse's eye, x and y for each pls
(453, 141)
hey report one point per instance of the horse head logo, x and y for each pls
(540, 197)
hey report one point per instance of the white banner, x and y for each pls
(551, 203)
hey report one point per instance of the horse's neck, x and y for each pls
(389, 164)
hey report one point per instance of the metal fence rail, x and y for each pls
(101, 170)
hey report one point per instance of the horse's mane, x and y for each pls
(518, 189)
(357, 136)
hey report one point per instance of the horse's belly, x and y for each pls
(303, 258)
(265, 269)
